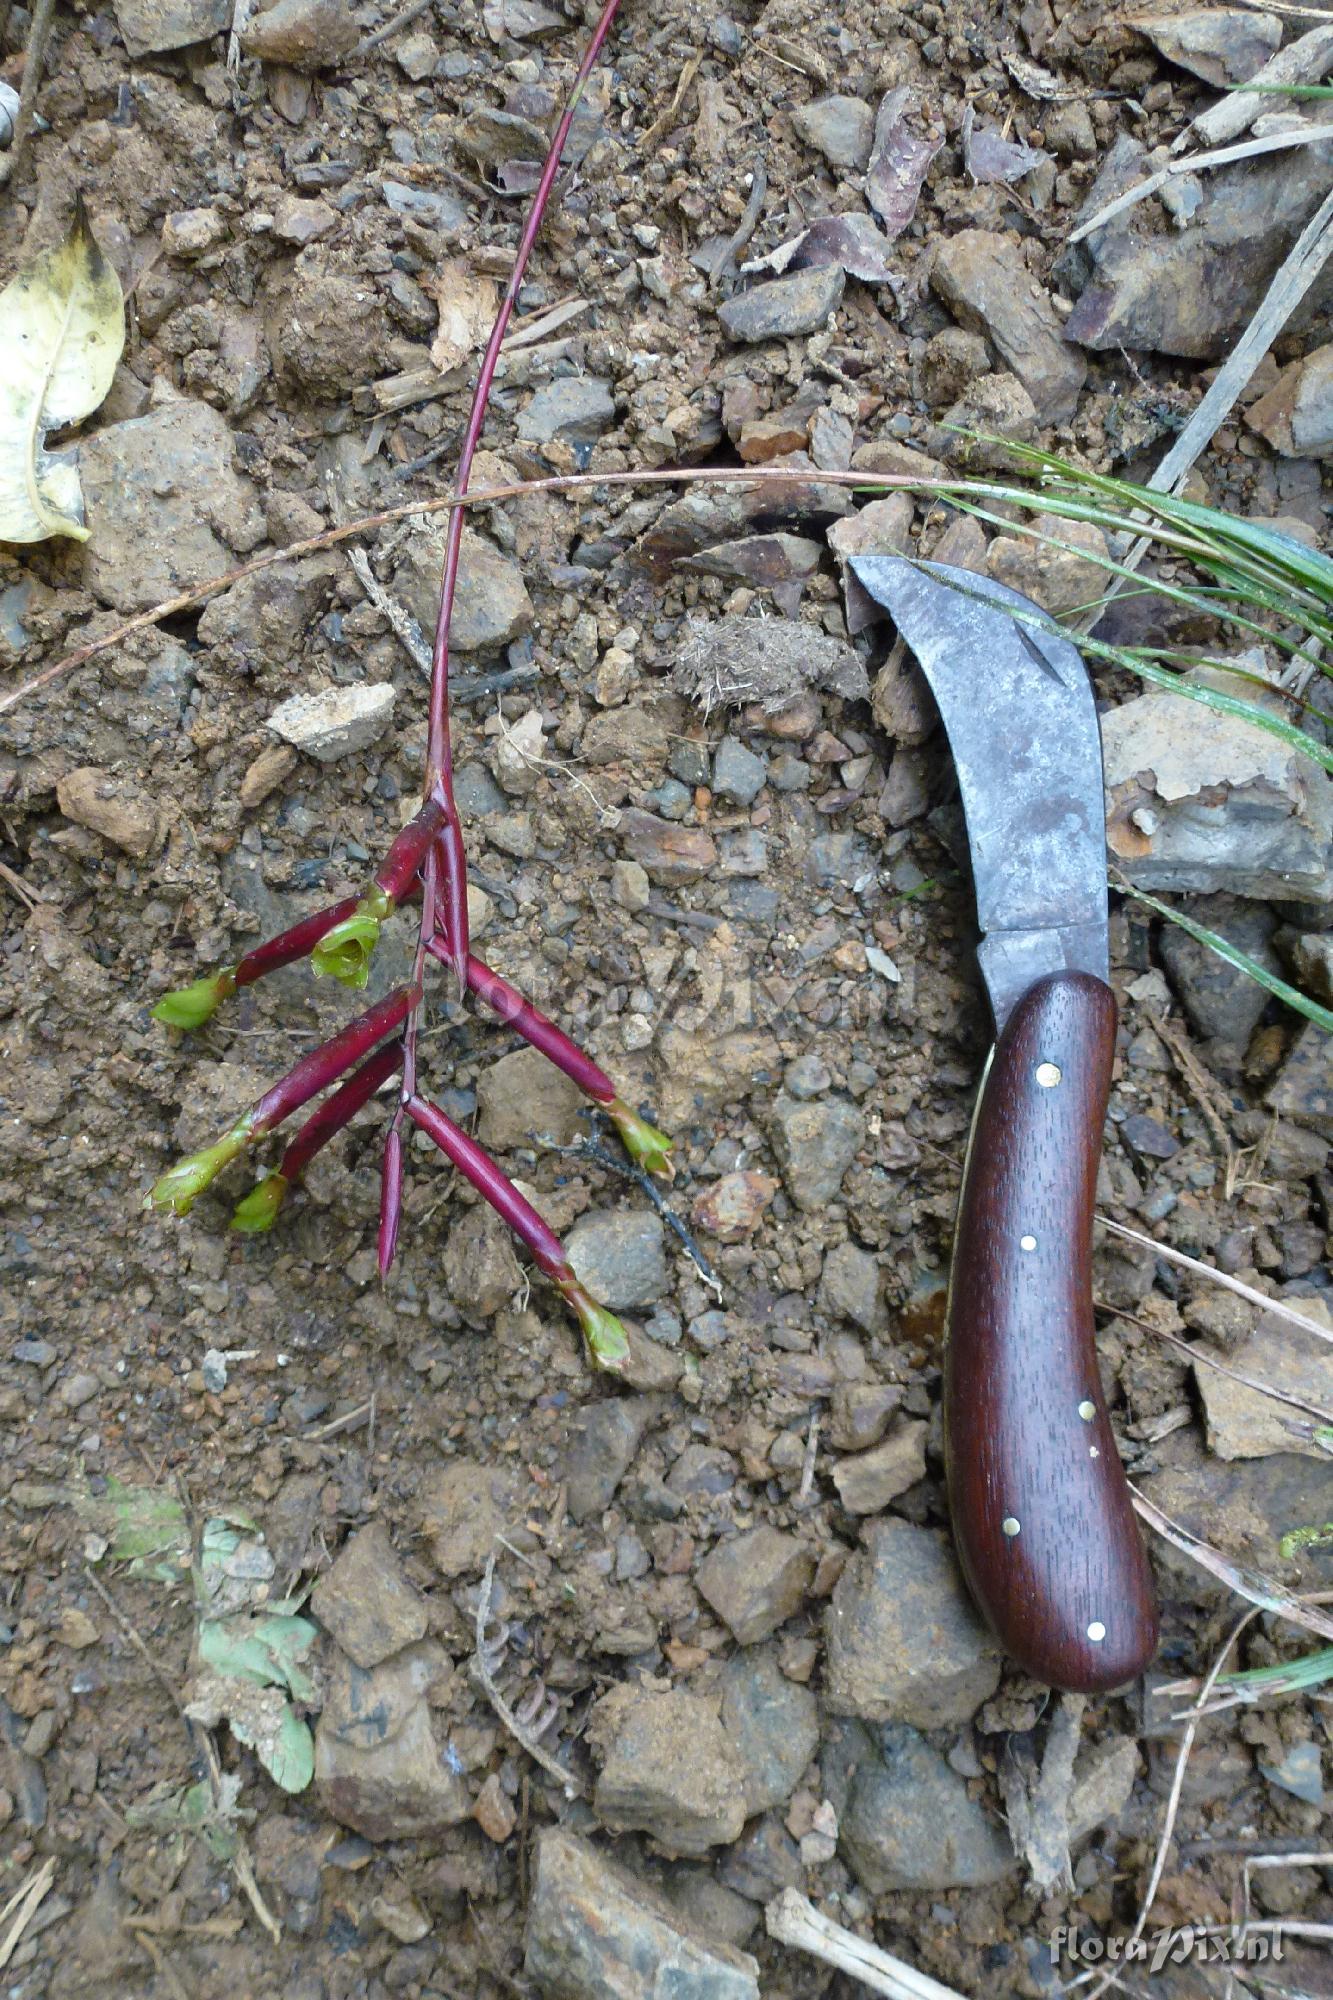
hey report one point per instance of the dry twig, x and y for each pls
(479, 496)
(1202, 1088)
(1278, 1307)
(39, 34)
(1256, 1589)
(23, 1906)
(793, 1920)
(1107, 1978)
(388, 29)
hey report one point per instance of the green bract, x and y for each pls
(259, 1210)
(646, 1146)
(181, 1186)
(607, 1340)
(190, 1006)
(345, 952)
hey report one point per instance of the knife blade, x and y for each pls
(1041, 1509)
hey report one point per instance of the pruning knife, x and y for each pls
(1042, 1515)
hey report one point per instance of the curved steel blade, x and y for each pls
(1017, 704)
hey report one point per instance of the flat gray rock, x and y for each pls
(774, 1724)
(603, 1440)
(491, 602)
(303, 34)
(595, 1932)
(1201, 800)
(867, 1483)
(982, 278)
(620, 1255)
(366, 1602)
(671, 1770)
(755, 1581)
(574, 408)
(903, 1642)
(522, 1097)
(379, 1766)
(1223, 1002)
(911, 1823)
(148, 27)
(1223, 45)
(165, 507)
(841, 128)
(336, 722)
(816, 1143)
(1191, 283)
(784, 306)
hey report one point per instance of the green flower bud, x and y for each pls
(190, 1006)
(181, 1186)
(259, 1210)
(646, 1146)
(607, 1340)
(345, 952)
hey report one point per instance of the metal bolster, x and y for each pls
(1012, 961)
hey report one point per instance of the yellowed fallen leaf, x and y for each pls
(466, 303)
(62, 329)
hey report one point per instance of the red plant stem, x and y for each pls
(339, 1109)
(398, 869)
(325, 1064)
(289, 946)
(478, 1167)
(439, 755)
(529, 1021)
(391, 1167)
(391, 1202)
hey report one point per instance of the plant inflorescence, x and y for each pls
(426, 862)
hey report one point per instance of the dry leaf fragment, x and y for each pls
(62, 328)
(466, 303)
(850, 240)
(899, 160)
(989, 156)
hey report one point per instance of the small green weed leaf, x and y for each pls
(269, 1651)
(139, 1523)
(289, 1756)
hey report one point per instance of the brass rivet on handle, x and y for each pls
(1096, 1631)
(1087, 1409)
(1010, 1526)
(1048, 1075)
(1027, 1242)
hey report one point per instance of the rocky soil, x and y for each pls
(711, 830)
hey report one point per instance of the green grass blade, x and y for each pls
(1196, 600)
(1289, 995)
(1277, 558)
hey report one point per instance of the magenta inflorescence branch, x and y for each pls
(427, 860)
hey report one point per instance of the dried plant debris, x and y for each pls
(731, 662)
(989, 156)
(899, 161)
(852, 241)
(62, 329)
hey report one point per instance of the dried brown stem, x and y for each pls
(479, 496)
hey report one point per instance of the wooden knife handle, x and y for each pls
(1042, 1514)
